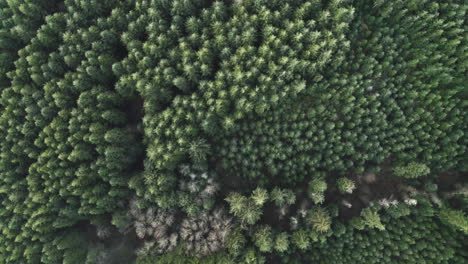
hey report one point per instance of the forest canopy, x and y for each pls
(233, 131)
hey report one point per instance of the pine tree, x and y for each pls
(345, 185)
(319, 219)
(411, 171)
(371, 218)
(455, 218)
(282, 242)
(260, 196)
(263, 239)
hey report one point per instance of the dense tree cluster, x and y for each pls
(417, 238)
(397, 94)
(244, 131)
(67, 145)
(201, 67)
(19, 21)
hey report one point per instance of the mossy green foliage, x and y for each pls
(399, 210)
(247, 209)
(456, 218)
(397, 92)
(411, 171)
(415, 238)
(173, 258)
(316, 190)
(278, 93)
(264, 239)
(249, 256)
(203, 66)
(19, 21)
(345, 185)
(67, 147)
(319, 219)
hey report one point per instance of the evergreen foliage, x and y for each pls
(260, 196)
(411, 171)
(398, 93)
(345, 185)
(410, 239)
(282, 242)
(244, 131)
(264, 239)
(317, 188)
(319, 219)
(67, 148)
(455, 218)
(371, 219)
(246, 209)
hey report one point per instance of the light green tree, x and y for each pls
(345, 185)
(263, 239)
